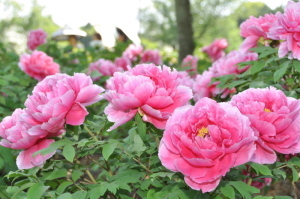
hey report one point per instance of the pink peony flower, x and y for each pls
(184, 79)
(123, 62)
(275, 119)
(254, 28)
(215, 49)
(204, 141)
(151, 90)
(287, 28)
(38, 65)
(104, 67)
(36, 38)
(55, 101)
(132, 52)
(228, 64)
(151, 56)
(191, 62)
(26, 159)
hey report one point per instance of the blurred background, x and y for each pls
(152, 23)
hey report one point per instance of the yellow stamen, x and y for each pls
(267, 110)
(202, 132)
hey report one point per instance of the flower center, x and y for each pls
(203, 132)
(267, 110)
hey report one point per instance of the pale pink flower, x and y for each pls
(150, 90)
(151, 56)
(14, 133)
(255, 28)
(26, 159)
(204, 141)
(132, 52)
(229, 64)
(191, 62)
(38, 65)
(104, 68)
(123, 62)
(287, 28)
(185, 79)
(36, 38)
(216, 49)
(275, 119)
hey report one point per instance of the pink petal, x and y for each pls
(76, 115)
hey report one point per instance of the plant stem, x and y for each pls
(91, 133)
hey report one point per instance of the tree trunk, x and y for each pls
(184, 27)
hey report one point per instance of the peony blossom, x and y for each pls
(132, 52)
(191, 62)
(185, 79)
(38, 65)
(151, 56)
(216, 49)
(104, 67)
(147, 89)
(26, 159)
(204, 141)
(287, 28)
(229, 64)
(123, 62)
(275, 119)
(255, 28)
(55, 101)
(36, 38)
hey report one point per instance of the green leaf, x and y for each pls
(235, 83)
(55, 174)
(61, 188)
(69, 152)
(257, 67)
(2, 100)
(279, 172)
(294, 161)
(25, 186)
(294, 173)
(108, 149)
(296, 64)
(260, 168)
(228, 191)
(76, 175)
(163, 174)
(245, 190)
(263, 197)
(281, 71)
(65, 196)
(53, 147)
(283, 197)
(36, 191)
(138, 145)
(141, 125)
(79, 195)
(96, 192)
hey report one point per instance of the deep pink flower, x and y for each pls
(132, 52)
(191, 62)
(287, 28)
(151, 90)
(216, 49)
(123, 62)
(151, 56)
(38, 65)
(26, 159)
(204, 141)
(275, 119)
(104, 68)
(254, 28)
(228, 64)
(36, 38)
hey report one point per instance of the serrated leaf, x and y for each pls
(108, 149)
(141, 126)
(53, 147)
(55, 174)
(296, 64)
(79, 195)
(61, 188)
(76, 175)
(69, 152)
(138, 145)
(281, 71)
(36, 191)
(257, 67)
(245, 190)
(279, 172)
(267, 52)
(263, 197)
(260, 168)
(228, 191)
(65, 196)
(235, 83)
(163, 174)
(283, 197)
(95, 193)
(294, 161)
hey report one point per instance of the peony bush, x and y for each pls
(126, 124)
